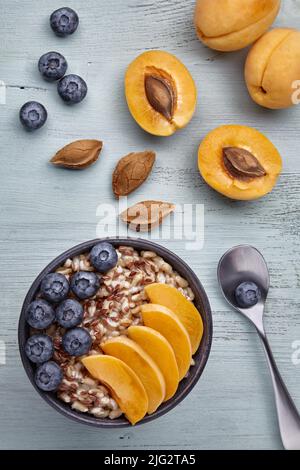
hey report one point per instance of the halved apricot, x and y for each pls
(160, 92)
(161, 352)
(142, 364)
(170, 297)
(123, 383)
(167, 323)
(239, 162)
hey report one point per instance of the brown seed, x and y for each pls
(146, 215)
(78, 155)
(160, 94)
(131, 172)
(242, 164)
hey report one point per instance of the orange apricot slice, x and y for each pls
(161, 352)
(167, 323)
(142, 364)
(172, 298)
(124, 385)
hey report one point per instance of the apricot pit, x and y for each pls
(160, 92)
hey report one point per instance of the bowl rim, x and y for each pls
(200, 357)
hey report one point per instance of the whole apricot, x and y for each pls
(160, 92)
(272, 69)
(230, 25)
(239, 162)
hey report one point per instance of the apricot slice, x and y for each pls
(124, 385)
(142, 364)
(272, 69)
(239, 162)
(167, 323)
(170, 297)
(230, 25)
(161, 352)
(160, 92)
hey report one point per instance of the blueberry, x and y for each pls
(52, 66)
(103, 257)
(77, 342)
(72, 89)
(247, 294)
(55, 287)
(64, 21)
(33, 115)
(39, 348)
(69, 313)
(48, 376)
(85, 284)
(40, 314)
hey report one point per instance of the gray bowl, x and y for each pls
(200, 358)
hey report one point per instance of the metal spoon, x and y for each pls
(245, 263)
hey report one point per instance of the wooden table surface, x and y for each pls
(45, 210)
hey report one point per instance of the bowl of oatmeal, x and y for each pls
(75, 311)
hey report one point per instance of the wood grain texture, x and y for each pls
(45, 210)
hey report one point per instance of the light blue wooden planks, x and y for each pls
(45, 210)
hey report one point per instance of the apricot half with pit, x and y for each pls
(160, 92)
(239, 162)
(230, 25)
(272, 70)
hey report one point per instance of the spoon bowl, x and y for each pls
(239, 264)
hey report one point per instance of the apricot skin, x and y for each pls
(141, 110)
(213, 171)
(230, 25)
(272, 67)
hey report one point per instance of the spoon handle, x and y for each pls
(288, 416)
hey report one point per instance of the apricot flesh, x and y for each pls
(230, 25)
(273, 68)
(170, 297)
(124, 385)
(212, 168)
(167, 323)
(160, 93)
(142, 364)
(161, 352)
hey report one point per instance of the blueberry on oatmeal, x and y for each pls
(77, 342)
(69, 313)
(40, 314)
(55, 287)
(103, 257)
(39, 348)
(85, 284)
(48, 376)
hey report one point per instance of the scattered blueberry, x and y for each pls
(33, 115)
(77, 342)
(69, 313)
(247, 294)
(64, 21)
(40, 314)
(72, 89)
(39, 348)
(85, 284)
(55, 287)
(48, 376)
(103, 257)
(52, 66)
